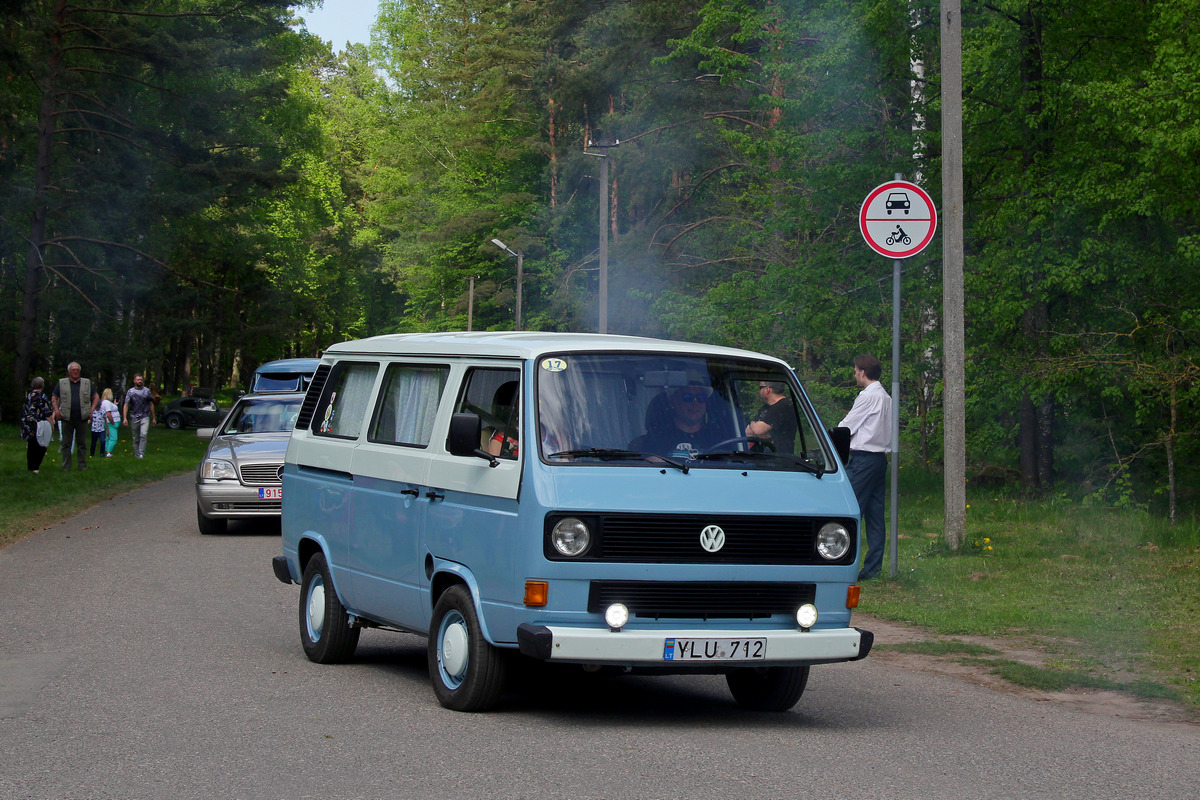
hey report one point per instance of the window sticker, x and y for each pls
(554, 365)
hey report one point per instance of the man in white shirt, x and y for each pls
(870, 424)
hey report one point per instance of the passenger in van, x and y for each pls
(677, 424)
(776, 420)
(502, 441)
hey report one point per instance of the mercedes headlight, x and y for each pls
(214, 469)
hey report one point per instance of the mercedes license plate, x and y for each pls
(270, 493)
(677, 649)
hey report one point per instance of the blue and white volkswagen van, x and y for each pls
(575, 498)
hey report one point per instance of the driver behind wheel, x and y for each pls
(677, 423)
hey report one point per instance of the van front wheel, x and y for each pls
(767, 688)
(468, 674)
(325, 628)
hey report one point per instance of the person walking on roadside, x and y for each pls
(112, 420)
(138, 414)
(870, 424)
(74, 400)
(36, 412)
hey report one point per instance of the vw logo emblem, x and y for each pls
(712, 538)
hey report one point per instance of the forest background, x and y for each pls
(194, 187)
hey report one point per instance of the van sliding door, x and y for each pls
(391, 494)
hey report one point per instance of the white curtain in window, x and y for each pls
(413, 395)
(353, 394)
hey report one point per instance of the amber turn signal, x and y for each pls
(536, 592)
(851, 596)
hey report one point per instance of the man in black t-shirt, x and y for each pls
(776, 420)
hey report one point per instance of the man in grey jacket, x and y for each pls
(74, 399)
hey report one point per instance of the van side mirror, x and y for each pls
(465, 430)
(841, 442)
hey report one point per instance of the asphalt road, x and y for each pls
(139, 659)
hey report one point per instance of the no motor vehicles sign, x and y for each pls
(897, 219)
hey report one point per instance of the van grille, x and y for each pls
(701, 599)
(675, 538)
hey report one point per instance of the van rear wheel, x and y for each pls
(325, 628)
(767, 688)
(468, 673)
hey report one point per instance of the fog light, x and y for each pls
(806, 616)
(617, 616)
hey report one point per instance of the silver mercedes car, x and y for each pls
(239, 477)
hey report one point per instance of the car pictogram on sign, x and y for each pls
(897, 200)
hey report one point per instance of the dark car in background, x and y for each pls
(285, 375)
(197, 410)
(239, 477)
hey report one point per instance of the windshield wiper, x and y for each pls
(800, 461)
(604, 453)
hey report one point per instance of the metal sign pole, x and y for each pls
(893, 531)
(893, 528)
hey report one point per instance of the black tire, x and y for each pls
(768, 688)
(468, 674)
(210, 526)
(325, 629)
(174, 422)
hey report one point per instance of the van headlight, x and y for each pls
(214, 469)
(571, 536)
(833, 541)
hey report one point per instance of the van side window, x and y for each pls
(408, 404)
(344, 403)
(494, 394)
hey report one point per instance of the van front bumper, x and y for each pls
(647, 647)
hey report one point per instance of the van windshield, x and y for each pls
(687, 411)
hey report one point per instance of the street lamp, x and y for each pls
(520, 274)
(604, 144)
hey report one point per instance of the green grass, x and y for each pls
(941, 648)
(1112, 595)
(36, 501)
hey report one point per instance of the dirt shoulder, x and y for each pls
(1091, 701)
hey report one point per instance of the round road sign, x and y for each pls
(897, 219)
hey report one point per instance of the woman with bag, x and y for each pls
(112, 419)
(35, 424)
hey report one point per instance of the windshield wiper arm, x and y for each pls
(596, 452)
(608, 452)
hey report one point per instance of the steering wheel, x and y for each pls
(753, 441)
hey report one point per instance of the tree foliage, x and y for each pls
(214, 189)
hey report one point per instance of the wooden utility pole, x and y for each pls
(953, 298)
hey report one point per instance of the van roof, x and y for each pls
(524, 345)
(308, 365)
